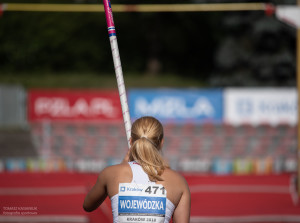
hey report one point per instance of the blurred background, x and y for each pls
(222, 82)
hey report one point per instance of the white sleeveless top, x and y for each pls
(140, 177)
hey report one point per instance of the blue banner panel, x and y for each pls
(177, 105)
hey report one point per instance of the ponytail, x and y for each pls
(146, 138)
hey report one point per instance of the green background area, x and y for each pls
(180, 49)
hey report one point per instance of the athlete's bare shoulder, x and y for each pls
(173, 175)
(175, 184)
(171, 178)
(111, 176)
(116, 170)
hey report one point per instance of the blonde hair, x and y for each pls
(146, 138)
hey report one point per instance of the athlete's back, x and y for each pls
(141, 196)
(143, 180)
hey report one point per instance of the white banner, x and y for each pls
(260, 106)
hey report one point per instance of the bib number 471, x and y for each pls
(155, 190)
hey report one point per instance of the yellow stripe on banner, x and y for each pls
(53, 7)
(135, 8)
(200, 7)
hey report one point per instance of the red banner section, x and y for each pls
(75, 105)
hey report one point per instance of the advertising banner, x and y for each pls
(177, 105)
(63, 105)
(260, 106)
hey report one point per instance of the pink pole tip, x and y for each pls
(109, 18)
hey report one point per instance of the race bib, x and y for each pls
(141, 203)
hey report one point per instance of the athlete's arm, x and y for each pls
(97, 194)
(182, 211)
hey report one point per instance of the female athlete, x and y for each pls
(142, 188)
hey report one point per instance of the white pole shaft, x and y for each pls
(118, 68)
(121, 86)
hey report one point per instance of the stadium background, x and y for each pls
(230, 121)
